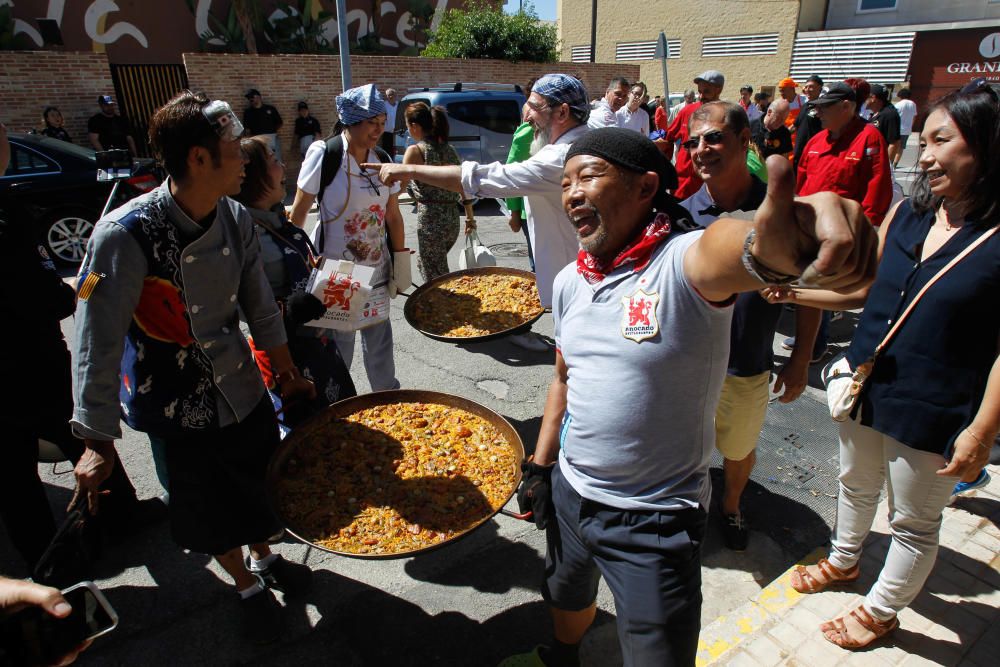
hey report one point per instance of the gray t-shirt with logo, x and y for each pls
(646, 357)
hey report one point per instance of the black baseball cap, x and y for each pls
(879, 91)
(835, 92)
(746, 87)
(251, 93)
(302, 105)
(105, 99)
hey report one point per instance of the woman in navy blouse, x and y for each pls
(931, 408)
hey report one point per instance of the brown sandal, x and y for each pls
(832, 576)
(836, 631)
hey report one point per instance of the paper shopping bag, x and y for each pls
(351, 301)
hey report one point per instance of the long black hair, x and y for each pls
(976, 114)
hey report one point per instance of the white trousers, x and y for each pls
(376, 347)
(917, 496)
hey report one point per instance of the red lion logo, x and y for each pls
(638, 312)
(338, 294)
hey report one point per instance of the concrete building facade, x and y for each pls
(748, 41)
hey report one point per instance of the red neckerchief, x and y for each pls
(639, 251)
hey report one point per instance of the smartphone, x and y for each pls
(32, 636)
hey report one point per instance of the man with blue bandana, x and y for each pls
(558, 110)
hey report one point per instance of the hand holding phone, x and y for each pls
(41, 626)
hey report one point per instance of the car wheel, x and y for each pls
(66, 235)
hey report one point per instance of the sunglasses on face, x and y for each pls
(713, 138)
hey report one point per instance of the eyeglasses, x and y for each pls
(713, 138)
(372, 185)
(222, 119)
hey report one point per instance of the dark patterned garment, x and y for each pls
(437, 214)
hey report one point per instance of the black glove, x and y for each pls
(535, 493)
(301, 307)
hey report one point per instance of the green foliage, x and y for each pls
(298, 31)
(228, 32)
(8, 40)
(482, 31)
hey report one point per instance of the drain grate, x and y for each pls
(510, 249)
(792, 494)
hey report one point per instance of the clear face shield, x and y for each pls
(222, 119)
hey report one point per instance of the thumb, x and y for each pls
(777, 207)
(36, 595)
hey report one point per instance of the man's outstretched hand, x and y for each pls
(822, 237)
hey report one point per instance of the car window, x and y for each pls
(24, 161)
(401, 111)
(501, 116)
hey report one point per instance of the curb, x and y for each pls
(727, 632)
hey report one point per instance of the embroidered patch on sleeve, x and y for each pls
(88, 283)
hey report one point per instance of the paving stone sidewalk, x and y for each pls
(954, 621)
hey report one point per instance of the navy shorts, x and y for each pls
(651, 561)
(217, 496)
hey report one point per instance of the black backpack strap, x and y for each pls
(333, 157)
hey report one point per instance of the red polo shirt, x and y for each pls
(688, 181)
(855, 166)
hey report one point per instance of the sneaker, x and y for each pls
(788, 343)
(529, 341)
(818, 355)
(978, 483)
(282, 575)
(260, 617)
(836, 315)
(735, 532)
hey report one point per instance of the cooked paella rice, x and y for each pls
(396, 478)
(477, 305)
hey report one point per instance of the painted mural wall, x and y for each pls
(159, 31)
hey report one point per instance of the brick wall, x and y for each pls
(70, 80)
(285, 79)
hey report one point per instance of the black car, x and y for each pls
(55, 184)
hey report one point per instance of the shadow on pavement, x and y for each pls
(509, 354)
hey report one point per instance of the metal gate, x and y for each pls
(141, 90)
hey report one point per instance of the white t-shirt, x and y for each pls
(390, 116)
(907, 112)
(637, 120)
(353, 222)
(602, 115)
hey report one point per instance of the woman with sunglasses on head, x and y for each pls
(355, 212)
(930, 409)
(437, 210)
(288, 258)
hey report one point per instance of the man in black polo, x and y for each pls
(260, 118)
(108, 130)
(807, 123)
(886, 119)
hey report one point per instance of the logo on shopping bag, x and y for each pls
(338, 293)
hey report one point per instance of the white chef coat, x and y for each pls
(539, 180)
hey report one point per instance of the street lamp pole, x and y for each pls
(345, 45)
(593, 31)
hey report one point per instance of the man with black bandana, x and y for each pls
(619, 477)
(158, 344)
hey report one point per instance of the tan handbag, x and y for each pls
(844, 384)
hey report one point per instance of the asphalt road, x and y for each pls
(470, 603)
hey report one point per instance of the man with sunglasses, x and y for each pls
(161, 291)
(719, 137)
(710, 84)
(558, 109)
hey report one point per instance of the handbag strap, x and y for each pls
(955, 260)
